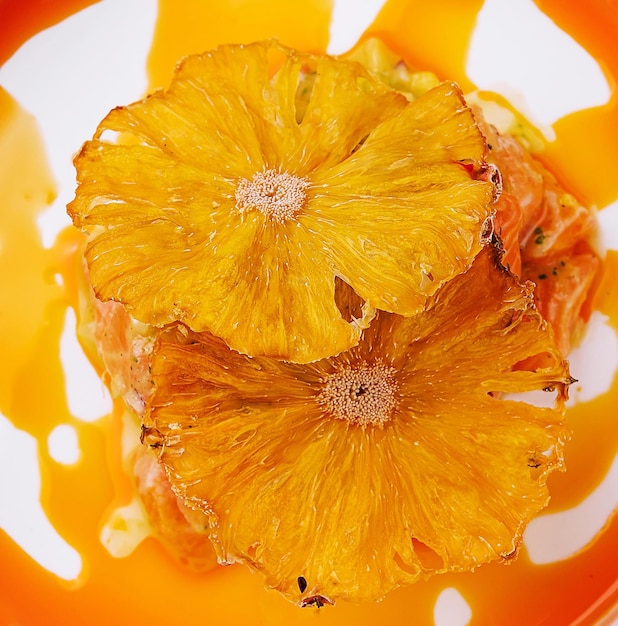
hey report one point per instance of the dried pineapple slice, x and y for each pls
(395, 460)
(211, 203)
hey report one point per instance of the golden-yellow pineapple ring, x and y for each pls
(388, 463)
(230, 204)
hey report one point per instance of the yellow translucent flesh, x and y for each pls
(402, 213)
(392, 209)
(448, 483)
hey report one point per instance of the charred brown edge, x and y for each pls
(316, 600)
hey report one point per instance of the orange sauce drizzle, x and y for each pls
(201, 26)
(148, 586)
(21, 20)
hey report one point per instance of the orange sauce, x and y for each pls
(202, 26)
(148, 586)
(595, 27)
(21, 20)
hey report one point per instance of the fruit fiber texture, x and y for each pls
(322, 331)
(391, 199)
(445, 483)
